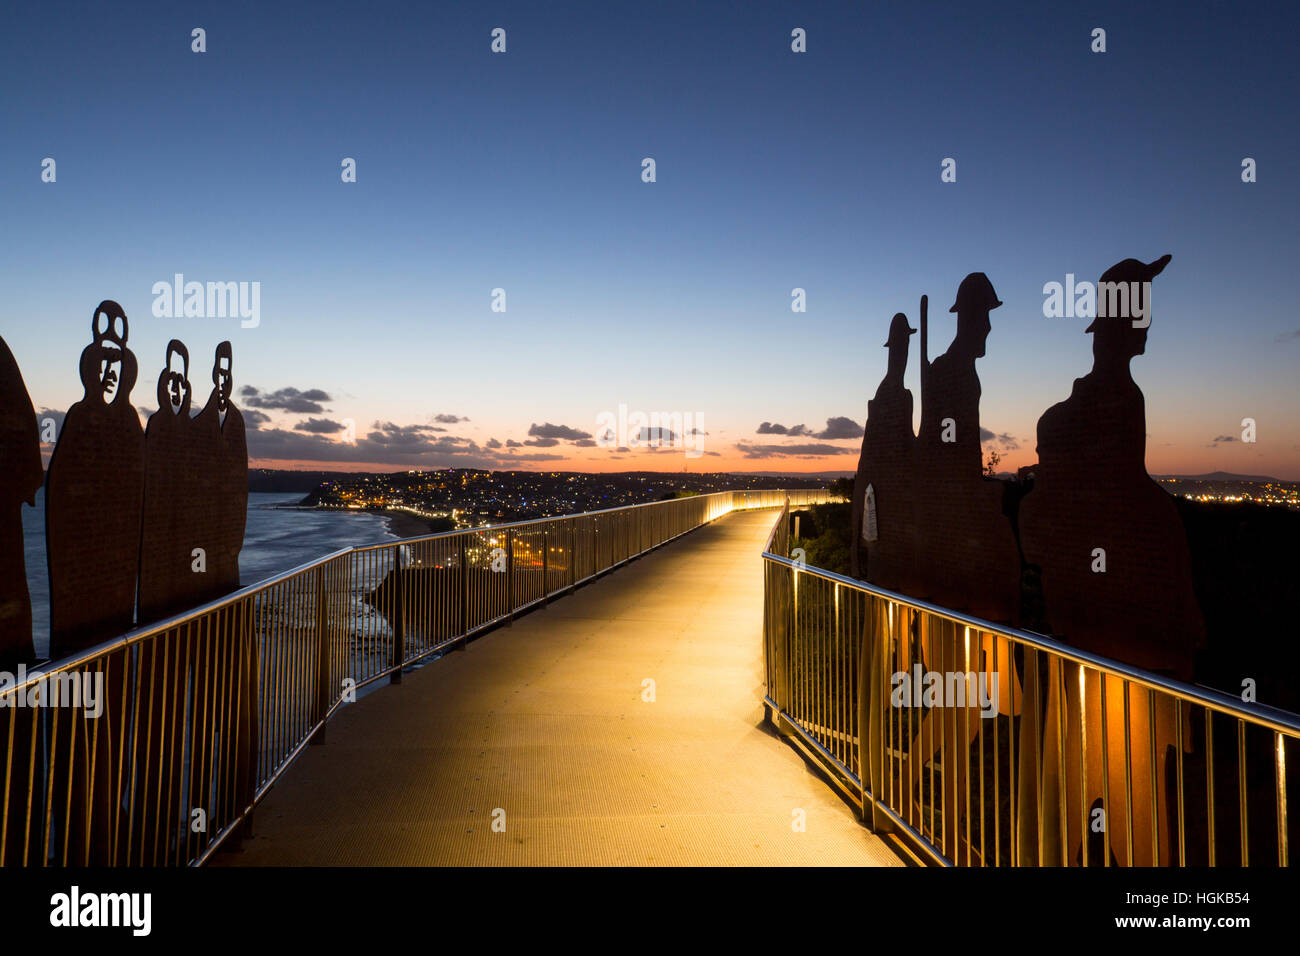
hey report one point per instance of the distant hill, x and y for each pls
(291, 482)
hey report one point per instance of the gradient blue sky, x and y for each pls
(775, 170)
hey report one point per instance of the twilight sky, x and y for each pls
(522, 171)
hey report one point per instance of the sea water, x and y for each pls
(277, 537)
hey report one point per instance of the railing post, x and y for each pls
(253, 696)
(788, 616)
(510, 574)
(322, 656)
(573, 552)
(399, 619)
(464, 595)
(546, 565)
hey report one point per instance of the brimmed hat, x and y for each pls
(1131, 270)
(975, 292)
(899, 330)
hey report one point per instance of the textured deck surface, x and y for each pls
(545, 721)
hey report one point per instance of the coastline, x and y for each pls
(403, 524)
(397, 522)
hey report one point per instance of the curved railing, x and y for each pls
(1057, 763)
(201, 713)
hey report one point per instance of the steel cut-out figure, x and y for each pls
(94, 493)
(1116, 575)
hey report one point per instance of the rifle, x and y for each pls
(925, 343)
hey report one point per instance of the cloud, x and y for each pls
(1288, 336)
(511, 443)
(390, 435)
(547, 430)
(543, 442)
(286, 399)
(810, 450)
(493, 443)
(1222, 438)
(254, 419)
(837, 428)
(386, 443)
(585, 443)
(656, 435)
(1007, 441)
(840, 427)
(449, 419)
(772, 428)
(319, 426)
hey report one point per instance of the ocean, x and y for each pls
(276, 539)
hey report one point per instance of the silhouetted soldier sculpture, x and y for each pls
(225, 457)
(169, 583)
(226, 466)
(967, 557)
(94, 494)
(884, 525)
(173, 496)
(93, 498)
(1116, 567)
(20, 478)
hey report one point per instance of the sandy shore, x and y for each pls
(406, 525)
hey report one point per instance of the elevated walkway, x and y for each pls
(543, 722)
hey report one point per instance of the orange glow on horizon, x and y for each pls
(1168, 462)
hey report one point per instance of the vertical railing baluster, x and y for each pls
(322, 703)
(1279, 777)
(399, 618)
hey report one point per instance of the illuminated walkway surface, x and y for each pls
(545, 720)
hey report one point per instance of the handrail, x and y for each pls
(1273, 717)
(147, 631)
(781, 527)
(839, 651)
(202, 712)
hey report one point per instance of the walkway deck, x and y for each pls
(545, 720)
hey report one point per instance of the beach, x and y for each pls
(404, 524)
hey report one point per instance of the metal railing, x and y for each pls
(980, 745)
(201, 713)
